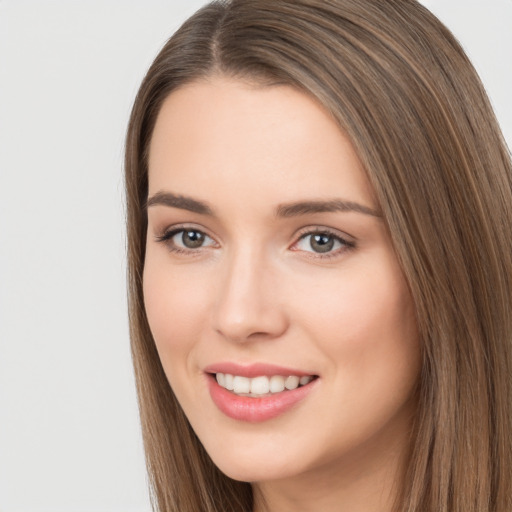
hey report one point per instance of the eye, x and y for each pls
(322, 243)
(186, 239)
(189, 239)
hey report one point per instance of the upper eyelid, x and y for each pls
(176, 228)
(311, 230)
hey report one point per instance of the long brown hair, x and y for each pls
(402, 89)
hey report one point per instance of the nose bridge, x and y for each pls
(246, 305)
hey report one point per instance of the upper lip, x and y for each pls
(254, 369)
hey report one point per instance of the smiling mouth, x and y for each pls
(261, 386)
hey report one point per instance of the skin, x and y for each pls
(257, 290)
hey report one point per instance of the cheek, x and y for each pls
(365, 325)
(176, 307)
(366, 330)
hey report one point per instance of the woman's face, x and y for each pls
(268, 267)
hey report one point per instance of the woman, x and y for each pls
(319, 217)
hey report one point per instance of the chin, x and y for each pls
(259, 460)
(251, 471)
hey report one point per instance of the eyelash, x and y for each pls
(346, 245)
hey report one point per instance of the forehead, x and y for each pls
(227, 137)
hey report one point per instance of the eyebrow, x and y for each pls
(179, 201)
(294, 209)
(333, 205)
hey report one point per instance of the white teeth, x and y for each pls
(241, 384)
(261, 385)
(291, 382)
(221, 379)
(276, 384)
(305, 380)
(228, 382)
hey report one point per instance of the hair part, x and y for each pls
(402, 89)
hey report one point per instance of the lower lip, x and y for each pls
(255, 410)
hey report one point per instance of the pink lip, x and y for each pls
(249, 409)
(253, 370)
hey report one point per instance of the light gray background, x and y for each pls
(69, 70)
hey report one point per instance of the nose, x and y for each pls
(248, 307)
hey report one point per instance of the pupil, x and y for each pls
(192, 239)
(322, 243)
